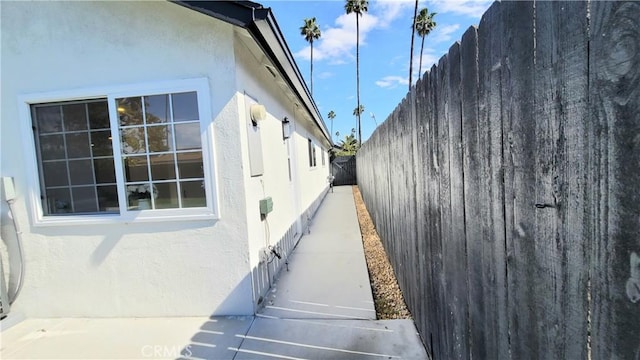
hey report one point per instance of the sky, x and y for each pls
(385, 43)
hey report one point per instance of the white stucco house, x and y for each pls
(141, 138)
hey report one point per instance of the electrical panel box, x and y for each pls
(266, 205)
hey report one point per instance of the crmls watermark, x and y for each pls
(165, 351)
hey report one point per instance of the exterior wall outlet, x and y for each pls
(266, 205)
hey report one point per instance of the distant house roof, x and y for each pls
(261, 24)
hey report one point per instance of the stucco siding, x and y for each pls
(291, 195)
(164, 268)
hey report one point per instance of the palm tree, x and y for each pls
(357, 112)
(310, 31)
(349, 145)
(331, 116)
(424, 24)
(358, 7)
(413, 35)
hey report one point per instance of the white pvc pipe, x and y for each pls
(14, 296)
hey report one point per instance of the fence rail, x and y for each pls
(505, 187)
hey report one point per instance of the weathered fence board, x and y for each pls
(472, 203)
(492, 187)
(560, 96)
(614, 106)
(426, 224)
(527, 293)
(457, 248)
(505, 187)
(442, 156)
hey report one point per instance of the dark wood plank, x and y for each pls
(614, 167)
(456, 249)
(491, 191)
(392, 238)
(429, 223)
(525, 278)
(444, 205)
(409, 201)
(560, 97)
(472, 184)
(423, 107)
(433, 215)
(400, 179)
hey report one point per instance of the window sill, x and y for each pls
(117, 219)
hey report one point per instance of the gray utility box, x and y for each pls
(266, 205)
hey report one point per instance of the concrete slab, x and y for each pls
(327, 277)
(321, 285)
(331, 339)
(132, 338)
(309, 314)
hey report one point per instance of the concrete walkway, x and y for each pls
(321, 309)
(327, 277)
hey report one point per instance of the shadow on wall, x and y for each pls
(110, 241)
(219, 336)
(222, 337)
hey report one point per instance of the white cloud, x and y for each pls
(337, 43)
(392, 81)
(389, 10)
(325, 75)
(470, 8)
(429, 58)
(442, 34)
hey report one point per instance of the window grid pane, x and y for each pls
(66, 160)
(166, 144)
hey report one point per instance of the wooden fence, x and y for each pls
(506, 186)
(343, 169)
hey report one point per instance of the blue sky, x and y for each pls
(385, 42)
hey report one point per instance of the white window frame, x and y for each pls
(111, 93)
(324, 160)
(313, 154)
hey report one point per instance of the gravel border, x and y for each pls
(387, 295)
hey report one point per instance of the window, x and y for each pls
(75, 156)
(323, 157)
(312, 154)
(161, 151)
(129, 153)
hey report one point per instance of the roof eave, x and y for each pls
(262, 26)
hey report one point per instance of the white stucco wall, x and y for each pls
(311, 178)
(166, 268)
(292, 196)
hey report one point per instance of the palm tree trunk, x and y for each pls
(358, 74)
(331, 130)
(311, 75)
(421, 49)
(413, 34)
